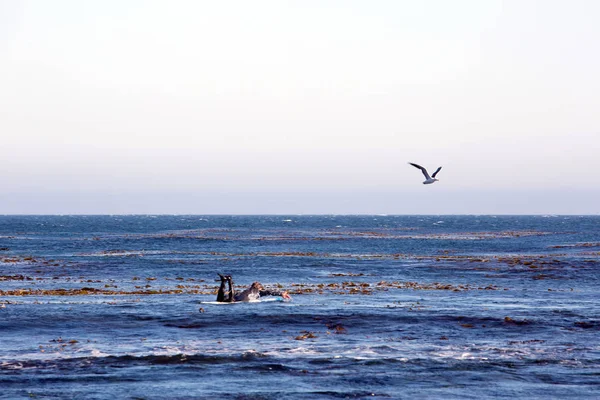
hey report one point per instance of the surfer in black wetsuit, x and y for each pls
(223, 295)
(254, 292)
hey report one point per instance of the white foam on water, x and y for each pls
(167, 351)
(304, 351)
(98, 353)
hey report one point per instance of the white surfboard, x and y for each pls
(265, 300)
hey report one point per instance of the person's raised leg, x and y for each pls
(231, 291)
(221, 293)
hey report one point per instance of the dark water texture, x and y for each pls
(103, 307)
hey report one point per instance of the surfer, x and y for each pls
(253, 293)
(223, 295)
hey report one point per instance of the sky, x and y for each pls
(299, 107)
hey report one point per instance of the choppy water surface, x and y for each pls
(108, 307)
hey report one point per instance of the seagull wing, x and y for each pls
(436, 171)
(423, 170)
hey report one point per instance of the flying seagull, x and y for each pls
(429, 179)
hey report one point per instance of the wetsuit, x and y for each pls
(225, 295)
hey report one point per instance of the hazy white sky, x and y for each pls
(299, 106)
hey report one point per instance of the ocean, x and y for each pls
(401, 307)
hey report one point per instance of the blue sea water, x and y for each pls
(104, 307)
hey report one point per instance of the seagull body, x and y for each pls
(428, 179)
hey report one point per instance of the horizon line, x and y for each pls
(299, 215)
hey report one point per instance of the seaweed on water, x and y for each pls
(305, 335)
(15, 278)
(511, 321)
(587, 324)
